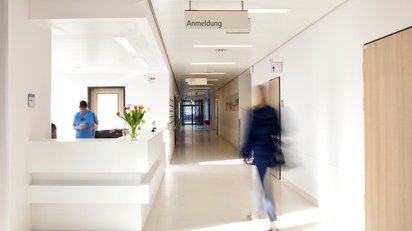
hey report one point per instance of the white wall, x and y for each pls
(232, 124)
(245, 101)
(213, 112)
(69, 89)
(228, 120)
(173, 92)
(3, 109)
(323, 93)
(29, 58)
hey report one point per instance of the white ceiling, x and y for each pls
(88, 47)
(268, 32)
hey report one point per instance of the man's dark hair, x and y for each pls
(83, 104)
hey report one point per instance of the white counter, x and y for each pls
(95, 184)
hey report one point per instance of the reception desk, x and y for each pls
(96, 184)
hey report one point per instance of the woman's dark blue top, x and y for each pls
(262, 125)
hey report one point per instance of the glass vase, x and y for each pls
(133, 133)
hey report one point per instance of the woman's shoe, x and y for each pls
(273, 226)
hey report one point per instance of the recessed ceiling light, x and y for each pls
(257, 11)
(222, 46)
(209, 84)
(212, 80)
(207, 73)
(199, 88)
(268, 11)
(214, 63)
(142, 62)
(125, 44)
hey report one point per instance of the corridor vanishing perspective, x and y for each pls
(207, 187)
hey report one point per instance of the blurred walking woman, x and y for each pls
(259, 145)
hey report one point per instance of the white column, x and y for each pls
(28, 71)
(3, 121)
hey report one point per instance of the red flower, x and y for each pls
(135, 107)
(141, 107)
(127, 108)
(133, 111)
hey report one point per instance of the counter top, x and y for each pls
(143, 136)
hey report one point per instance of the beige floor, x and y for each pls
(207, 188)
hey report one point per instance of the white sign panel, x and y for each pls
(217, 19)
(196, 81)
(276, 67)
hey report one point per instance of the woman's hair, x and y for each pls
(261, 96)
(83, 104)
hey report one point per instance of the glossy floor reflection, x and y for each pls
(208, 188)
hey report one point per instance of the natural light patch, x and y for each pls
(303, 217)
(238, 226)
(222, 162)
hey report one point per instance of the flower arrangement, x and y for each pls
(133, 117)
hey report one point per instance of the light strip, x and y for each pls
(268, 11)
(257, 11)
(222, 46)
(214, 63)
(125, 43)
(142, 62)
(199, 89)
(212, 80)
(208, 73)
(200, 85)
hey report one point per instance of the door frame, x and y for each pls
(277, 173)
(200, 105)
(90, 89)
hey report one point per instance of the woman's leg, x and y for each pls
(269, 202)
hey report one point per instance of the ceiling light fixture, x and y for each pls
(268, 11)
(214, 63)
(212, 80)
(142, 62)
(200, 89)
(209, 84)
(207, 73)
(222, 46)
(257, 11)
(125, 43)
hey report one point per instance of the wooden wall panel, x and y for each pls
(274, 101)
(388, 133)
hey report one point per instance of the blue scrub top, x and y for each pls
(89, 119)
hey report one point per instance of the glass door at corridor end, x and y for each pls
(192, 112)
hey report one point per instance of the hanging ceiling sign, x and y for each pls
(196, 81)
(217, 19)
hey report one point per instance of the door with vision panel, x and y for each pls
(274, 101)
(106, 102)
(388, 132)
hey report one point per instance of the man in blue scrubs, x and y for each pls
(85, 122)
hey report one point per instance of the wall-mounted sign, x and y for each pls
(31, 100)
(217, 19)
(276, 66)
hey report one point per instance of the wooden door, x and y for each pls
(105, 102)
(274, 101)
(274, 95)
(388, 133)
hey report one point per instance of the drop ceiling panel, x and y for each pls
(268, 32)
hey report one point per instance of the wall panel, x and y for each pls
(388, 133)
